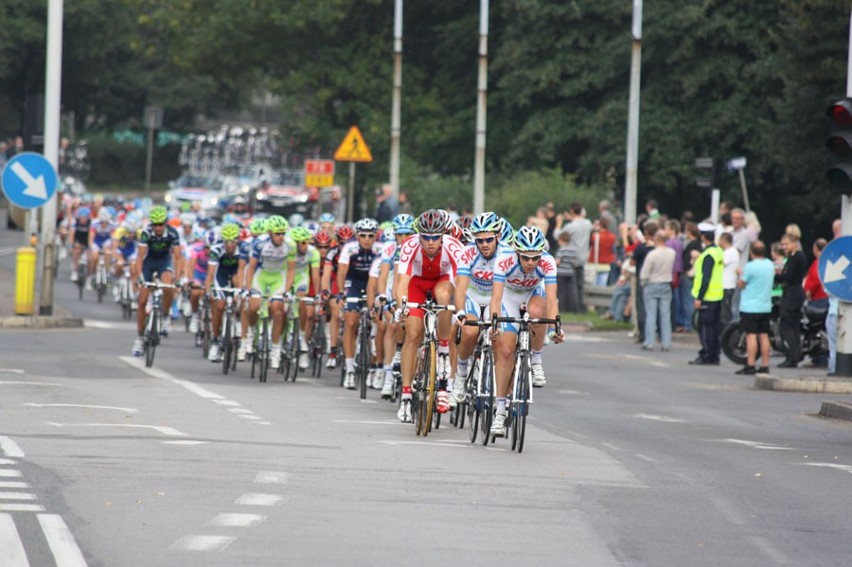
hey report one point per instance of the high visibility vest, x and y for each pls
(715, 291)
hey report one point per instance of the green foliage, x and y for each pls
(114, 163)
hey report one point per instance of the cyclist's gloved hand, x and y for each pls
(325, 294)
(557, 337)
(183, 281)
(381, 298)
(400, 315)
(461, 316)
(140, 280)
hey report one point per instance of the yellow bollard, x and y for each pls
(25, 274)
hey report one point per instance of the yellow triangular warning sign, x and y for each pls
(353, 148)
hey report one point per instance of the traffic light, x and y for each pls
(708, 171)
(839, 144)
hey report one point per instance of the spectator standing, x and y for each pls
(550, 234)
(387, 205)
(605, 212)
(674, 240)
(566, 274)
(580, 229)
(639, 254)
(691, 250)
(752, 226)
(656, 278)
(652, 209)
(618, 308)
(792, 299)
(756, 281)
(404, 203)
(814, 292)
(539, 220)
(708, 292)
(601, 251)
(729, 276)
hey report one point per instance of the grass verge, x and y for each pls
(594, 321)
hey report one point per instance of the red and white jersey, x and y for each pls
(414, 262)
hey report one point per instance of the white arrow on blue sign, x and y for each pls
(832, 267)
(29, 180)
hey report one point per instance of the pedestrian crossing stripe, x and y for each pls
(353, 148)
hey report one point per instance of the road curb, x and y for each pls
(36, 322)
(836, 410)
(804, 384)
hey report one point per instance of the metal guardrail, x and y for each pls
(597, 296)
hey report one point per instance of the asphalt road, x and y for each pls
(632, 458)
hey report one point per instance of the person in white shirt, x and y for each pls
(729, 277)
(656, 278)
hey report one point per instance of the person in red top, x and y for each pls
(427, 264)
(814, 292)
(602, 250)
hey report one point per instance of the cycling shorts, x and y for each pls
(354, 289)
(156, 265)
(511, 307)
(128, 252)
(224, 278)
(417, 288)
(101, 242)
(473, 301)
(199, 277)
(268, 283)
(301, 282)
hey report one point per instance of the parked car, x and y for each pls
(191, 188)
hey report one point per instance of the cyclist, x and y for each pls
(473, 287)
(258, 231)
(344, 235)
(353, 268)
(305, 284)
(198, 258)
(82, 226)
(100, 238)
(296, 220)
(159, 252)
(507, 233)
(223, 270)
(386, 238)
(427, 264)
(187, 224)
(517, 280)
(326, 221)
(124, 242)
(403, 228)
(265, 274)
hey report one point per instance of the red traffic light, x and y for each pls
(840, 113)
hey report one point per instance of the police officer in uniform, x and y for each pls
(708, 293)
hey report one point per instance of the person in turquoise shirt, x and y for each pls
(756, 281)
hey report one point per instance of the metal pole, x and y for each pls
(715, 198)
(843, 363)
(631, 180)
(350, 197)
(52, 117)
(481, 112)
(396, 107)
(149, 160)
(745, 190)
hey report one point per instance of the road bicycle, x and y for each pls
(126, 297)
(230, 330)
(153, 321)
(204, 334)
(289, 366)
(318, 343)
(262, 338)
(101, 279)
(479, 384)
(363, 352)
(424, 386)
(82, 273)
(521, 394)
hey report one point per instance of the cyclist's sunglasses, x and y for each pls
(158, 224)
(282, 233)
(486, 240)
(526, 258)
(431, 237)
(366, 235)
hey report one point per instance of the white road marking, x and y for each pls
(185, 442)
(12, 370)
(367, 422)
(237, 520)
(240, 410)
(61, 541)
(646, 360)
(250, 417)
(20, 507)
(646, 458)
(369, 401)
(758, 445)
(95, 324)
(271, 477)
(35, 405)
(775, 557)
(8, 462)
(847, 468)
(431, 443)
(25, 383)
(226, 403)
(661, 418)
(263, 422)
(258, 499)
(572, 392)
(169, 431)
(12, 552)
(13, 484)
(10, 448)
(17, 496)
(10, 473)
(163, 375)
(7, 251)
(204, 543)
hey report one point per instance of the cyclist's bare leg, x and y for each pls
(334, 323)
(93, 260)
(350, 328)
(276, 312)
(217, 308)
(168, 294)
(536, 308)
(504, 361)
(444, 296)
(381, 328)
(140, 313)
(413, 338)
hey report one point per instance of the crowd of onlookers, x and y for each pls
(10, 147)
(661, 271)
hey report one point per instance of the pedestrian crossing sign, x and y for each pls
(353, 148)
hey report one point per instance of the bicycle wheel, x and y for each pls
(226, 347)
(205, 332)
(521, 406)
(253, 354)
(486, 402)
(364, 358)
(263, 351)
(151, 338)
(284, 367)
(417, 390)
(429, 398)
(473, 400)
(318, 347)
(294, 351)
(101, 289)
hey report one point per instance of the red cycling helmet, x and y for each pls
(322, 238)
(344, 233)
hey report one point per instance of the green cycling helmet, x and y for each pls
(230, 232)
(277, 224)
(301, 234)
(158, 215)
(257, 227)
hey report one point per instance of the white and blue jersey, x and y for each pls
(102, 233)
(519, 286)
(480, 273)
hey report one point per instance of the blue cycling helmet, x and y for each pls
(212, 237)
(296, 220)
(388, 235)
(485, 222)
(507, 232)
(403, 224)
(326, 217)
(84, 212)
(529, 239)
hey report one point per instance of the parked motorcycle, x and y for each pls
(813, 337)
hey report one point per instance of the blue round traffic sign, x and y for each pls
(834, 271)
(29, 180)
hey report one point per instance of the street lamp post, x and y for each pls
(481, 110)
(396, 107)
(631, 181)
